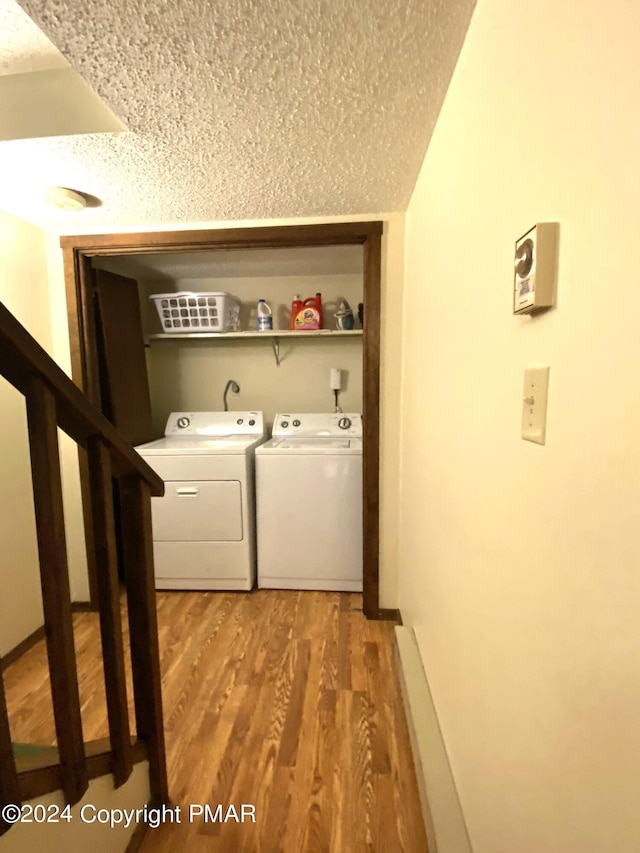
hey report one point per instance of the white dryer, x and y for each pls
(204, 525)
(309, 503)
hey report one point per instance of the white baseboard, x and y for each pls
(443, 817)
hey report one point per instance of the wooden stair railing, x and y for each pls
(53, 401)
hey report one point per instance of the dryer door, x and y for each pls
(192, 511)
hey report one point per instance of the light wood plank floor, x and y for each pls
(288, 701)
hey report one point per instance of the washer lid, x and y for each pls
(312, 446)
(311, 443)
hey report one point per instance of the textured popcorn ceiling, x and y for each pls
(249, 109)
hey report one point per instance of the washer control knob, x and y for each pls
(344, 423)
(296, 422)
(183, 423)
(284, 424)
(252, 422)
(240, 421)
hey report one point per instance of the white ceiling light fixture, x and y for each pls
(65, 199)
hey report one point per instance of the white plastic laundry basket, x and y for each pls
(197, 312)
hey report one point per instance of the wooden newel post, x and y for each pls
(54, 579)
(109, 606)
(9, 793)
(143, 627)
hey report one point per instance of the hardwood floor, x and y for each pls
(286, 701)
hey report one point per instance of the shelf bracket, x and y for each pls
(275, 343)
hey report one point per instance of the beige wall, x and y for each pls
(519, 563)
(23, 290)
(193, 374)
(318, 358)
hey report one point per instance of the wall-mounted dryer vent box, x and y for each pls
(535, 268)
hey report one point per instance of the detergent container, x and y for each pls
(265, 317)
(309, 318)
(296, 307)
(344, 316)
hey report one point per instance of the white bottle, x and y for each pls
(265, 318)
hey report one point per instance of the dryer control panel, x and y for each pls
(312, 425)
(215, 423)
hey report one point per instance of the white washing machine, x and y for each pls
(204, 525)
(309, 503)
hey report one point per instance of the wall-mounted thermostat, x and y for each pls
(535, 268)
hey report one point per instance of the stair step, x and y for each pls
(27, 750)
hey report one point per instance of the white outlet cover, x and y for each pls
(534, 404)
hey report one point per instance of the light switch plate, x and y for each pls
(534, 404)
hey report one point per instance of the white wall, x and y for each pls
(23, 290)
(392, 284)
(519, 563)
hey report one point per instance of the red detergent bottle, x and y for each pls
(309, 318)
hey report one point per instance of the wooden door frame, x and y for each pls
(77, 253)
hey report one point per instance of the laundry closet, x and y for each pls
(138, 374)
(277, 371)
